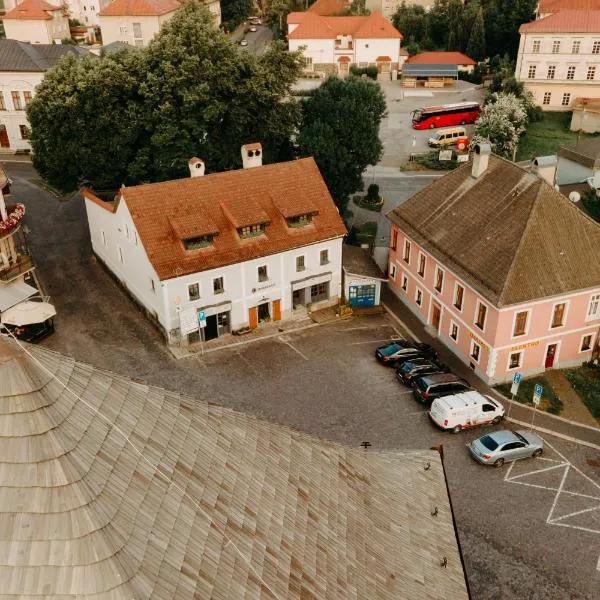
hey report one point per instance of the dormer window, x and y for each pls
(299, 221)
(195, 243)
(251, 230)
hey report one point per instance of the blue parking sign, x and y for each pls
(537, 390)
(517, 378)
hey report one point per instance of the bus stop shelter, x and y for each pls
(429, 75)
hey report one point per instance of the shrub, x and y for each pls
(373, 192)
(370, 72)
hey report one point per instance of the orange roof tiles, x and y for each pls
(440, 58)
(139, 8)
(313, 26)
(33, 10)
(565, 21)
(229, 199)
(553, 6)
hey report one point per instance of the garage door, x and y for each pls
(362, 295)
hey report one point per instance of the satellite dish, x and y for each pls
(574, 196)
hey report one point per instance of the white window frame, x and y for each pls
(591, 70)
(408, 245)
(487, 314)
(596, 47)
(548, 96)
(597, 313)
(222, 278)
(120, 255)
(188, 291)
(555, 46)
(514, 322)
(531, 71)
(439, 270)
(576, 47)
(258, 279)
(454, 324)
(462, 304)
(565, 315)
(104, 241)
(556, 363)
(303, 257)
(392, 271)
(536, 46)
(566, 99)
(471, 348)
(592, 342)
(404, 283)
(520, 353)
(327, 261)
(571, 70)
(418, 291)
(551, 72)
(422, 255)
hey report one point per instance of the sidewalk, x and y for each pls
(518, 413)
(15, 158)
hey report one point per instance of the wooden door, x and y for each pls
(253, 314)
(4, 141)
(550, 354)
(436, 313)
(276, 310)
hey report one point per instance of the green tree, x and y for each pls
(410, 22)
(340, 128)
(234, 12)
(476, 45)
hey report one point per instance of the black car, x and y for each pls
(414, 368)
(35, 332)
(398, 350)
(430, 387)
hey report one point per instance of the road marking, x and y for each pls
(412, 333)
(562, 436)
(598, 565)
(293, 348)
(370, 342)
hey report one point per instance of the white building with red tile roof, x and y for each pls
(332, 44)
(559, 58)
(36, 22)
(260, 243)
(136, 22)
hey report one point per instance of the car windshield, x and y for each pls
(416, 116)
(407, 366)
(489, 442)
(422, 384)
(389, 349)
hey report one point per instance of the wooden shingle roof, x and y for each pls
(508, 234)
(114, 490)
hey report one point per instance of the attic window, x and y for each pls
(300, 220)
(196, 243)
(250, 231)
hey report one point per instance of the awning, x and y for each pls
(418, 70)
(28, 313)
(300, 284)
(15, 292)
(383, 59)
(344, 59)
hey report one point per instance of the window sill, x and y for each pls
(219, 292)
(458, 308)
(300, 270)
(263, 280)
(480, 327)
(438, 290)
(192, 299)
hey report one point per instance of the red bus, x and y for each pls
(430, 117)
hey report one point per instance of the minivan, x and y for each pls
(429, 388)
(447, 137)
(465, 410)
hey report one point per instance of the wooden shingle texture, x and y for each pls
(113, 490)
(508, 234)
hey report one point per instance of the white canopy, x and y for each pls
(15, 292)
(27, 313)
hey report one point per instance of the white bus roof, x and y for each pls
(455, 106)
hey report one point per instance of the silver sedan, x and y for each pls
(499, 447)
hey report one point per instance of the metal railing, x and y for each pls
(23, 265)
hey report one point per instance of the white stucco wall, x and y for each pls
(10, 117)
(369, 50)
(37, 32)
(120, 29)
(321, 51)
(363, 51)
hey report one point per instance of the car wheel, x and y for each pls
(456, 429)
(498, 462)
(537, 453)
(496, 420)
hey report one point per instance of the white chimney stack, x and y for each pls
(196, 167)
(545, 167)
(252, 155)
(481, 158)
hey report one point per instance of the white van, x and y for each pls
(464, 410)
(447, 137)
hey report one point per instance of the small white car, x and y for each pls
(253, 29)
(465, 410)
(244, 43)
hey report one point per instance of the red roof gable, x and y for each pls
(139, 8)
(32, 10)
(565, 21)
(313, 26)
(440, 58)
(553, 6)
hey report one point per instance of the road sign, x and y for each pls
(537, 394)
(515, 383)
(201, 318)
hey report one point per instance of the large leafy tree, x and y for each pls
(411, 21)
(340, 128)
(139, 115)
(234, 12)
(476, 45)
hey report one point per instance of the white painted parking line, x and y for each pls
(293, 348)
(370, 341)
(598, 565)
(397, 319)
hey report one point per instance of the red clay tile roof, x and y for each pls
(158, 209)
(295, 17)
(193, 224)
(312, 26)
(440, 58)
(139, 8)
(32, 10)
(553, 6)
(565, 21)
(326, 8)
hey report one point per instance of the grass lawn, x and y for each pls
(586, 382)
(550, 401)
(546, 136)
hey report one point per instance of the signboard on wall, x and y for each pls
(188, 321)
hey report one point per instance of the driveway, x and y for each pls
(531, 531)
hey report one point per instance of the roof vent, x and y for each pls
(252, 155)
(481, 158)
(196, 167)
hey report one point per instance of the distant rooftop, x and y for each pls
(23, 57)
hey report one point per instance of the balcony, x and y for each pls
(23, 265)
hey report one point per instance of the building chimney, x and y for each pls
(481, 157)
(545, 168)
(252, 155)
(196, 167)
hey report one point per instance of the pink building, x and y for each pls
(501, 266)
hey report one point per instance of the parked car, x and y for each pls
(391, 353)
(447, 137)
(430, 387)
(34, 332)
(244, 42)
(465, 410)
(503, 446)
(413, 368)
(253, 29)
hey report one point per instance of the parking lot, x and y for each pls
(531, 531)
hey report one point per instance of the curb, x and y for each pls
(562, 436)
